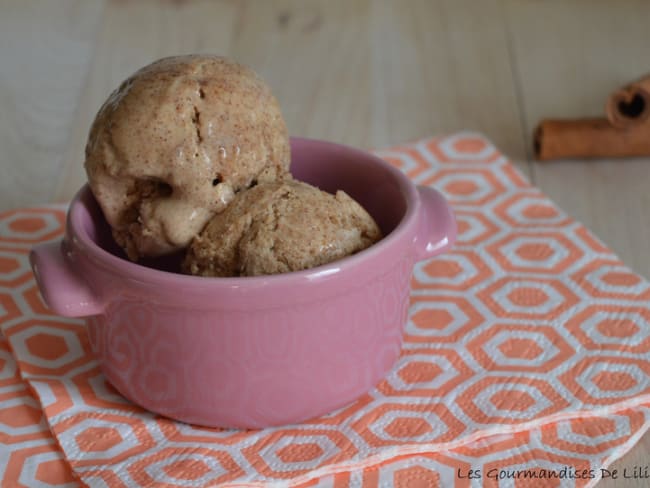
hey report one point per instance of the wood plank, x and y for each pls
(364, 73)
(568, 59)
(375, 73)
(443, 66)
(45, 48)
(314, 56)
(131, 35)
(637, 457)
(447, 63)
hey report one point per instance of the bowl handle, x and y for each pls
(63, 290)
(437, 228)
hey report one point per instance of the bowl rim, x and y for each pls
(82, 242)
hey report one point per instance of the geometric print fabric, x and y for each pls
(527, 348)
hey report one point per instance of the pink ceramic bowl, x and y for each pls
(257, 351)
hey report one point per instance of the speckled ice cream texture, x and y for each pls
(278, 228)
(174, 144)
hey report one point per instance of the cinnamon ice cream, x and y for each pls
(280, 227)
(175, 143)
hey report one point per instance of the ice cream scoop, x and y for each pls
(173, 145)
(280, 227)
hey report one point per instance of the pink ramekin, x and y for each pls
(256, 351)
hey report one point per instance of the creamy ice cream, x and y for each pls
(173, 145)
(280, 227)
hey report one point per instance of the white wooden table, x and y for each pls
(366, 73)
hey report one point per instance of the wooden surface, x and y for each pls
(366, 73)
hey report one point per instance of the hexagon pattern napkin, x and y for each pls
(526, 358)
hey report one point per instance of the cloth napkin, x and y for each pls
(526, 358)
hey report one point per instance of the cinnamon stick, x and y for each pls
(589, 138)
(630, 105)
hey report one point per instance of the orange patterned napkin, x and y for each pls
(526, 354)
